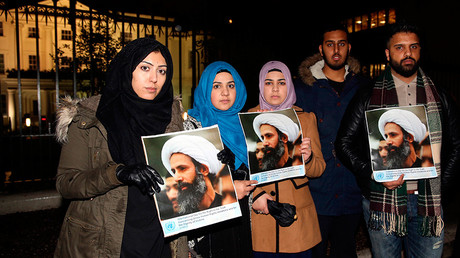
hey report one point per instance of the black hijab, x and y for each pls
(126, 118)
(125, 115)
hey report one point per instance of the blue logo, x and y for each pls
(255, 177)
(170, 226)
(379, 176)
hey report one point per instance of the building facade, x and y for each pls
(32, 36)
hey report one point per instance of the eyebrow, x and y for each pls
(147, 62)
(332, 41)
(410, 44)
(222, 82)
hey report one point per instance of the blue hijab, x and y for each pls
(229, 124)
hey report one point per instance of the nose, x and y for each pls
(275, 87)
(336, 48)
(173, 193)
(153, 76)
(225, 91)
(407, 52)
(177, 178)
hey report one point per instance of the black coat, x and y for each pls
(356, 157)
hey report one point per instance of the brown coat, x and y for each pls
(94, 222)
(304, 233)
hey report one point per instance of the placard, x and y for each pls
(273, 141)
(198, 189)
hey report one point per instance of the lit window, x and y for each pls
(382, 20)
(128, 37)
(32, 62)
(66, 34)
(361, 23)
(364, 22)
(391, 16)
(358, 22)
(33, 32)
(376, 69)
(374, 20)
(349, 25)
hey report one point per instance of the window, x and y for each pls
(66, 34)
(2, 64)
(128, 37)
(65, 62)
(33, 32)
(3, 105)
(376, 69)
(1, 29)
(370, 21)
(391, 16)
(32, 62)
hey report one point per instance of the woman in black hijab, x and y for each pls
(102, 168)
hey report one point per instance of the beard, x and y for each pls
(397, 155)
(405, 71)
(189, 199)
(272, 156)
(336, 66)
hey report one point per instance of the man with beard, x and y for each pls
(277, 133)
(259, 154)
(395, 212)
(403, 132)
(192, 161)
(327, 82)
(381, 162)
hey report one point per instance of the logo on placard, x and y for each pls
(379, 176)
(170, 226)
(255, 177)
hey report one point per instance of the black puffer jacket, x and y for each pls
(356, 157)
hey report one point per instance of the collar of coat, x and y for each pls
(84, 111)
(67, 111)
(310, 69)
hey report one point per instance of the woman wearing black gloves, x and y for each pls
(102, 169)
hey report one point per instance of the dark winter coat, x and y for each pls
(336, 191)
(94, 222)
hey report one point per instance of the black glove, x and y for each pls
(227, 157)
(141, 175)
(284, 213)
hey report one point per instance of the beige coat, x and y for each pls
(94, 222)
(304, 233)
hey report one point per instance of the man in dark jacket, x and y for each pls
(328, 81)
(399, 211)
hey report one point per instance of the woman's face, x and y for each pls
(223, 92)
(149, 76)
(275, 88)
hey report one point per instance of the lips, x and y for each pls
(336, 57)
(408, 61)
(151, 89)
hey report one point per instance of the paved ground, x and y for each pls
(34, 233)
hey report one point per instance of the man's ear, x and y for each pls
(387, 54)
(410, 138)
(320, 48)
(284, 138)
(204, 170)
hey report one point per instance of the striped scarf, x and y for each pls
(388, 208)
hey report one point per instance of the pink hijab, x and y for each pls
(290, 97)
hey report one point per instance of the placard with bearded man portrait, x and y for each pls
(273, 141)
(399, 140)
(198, 189)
